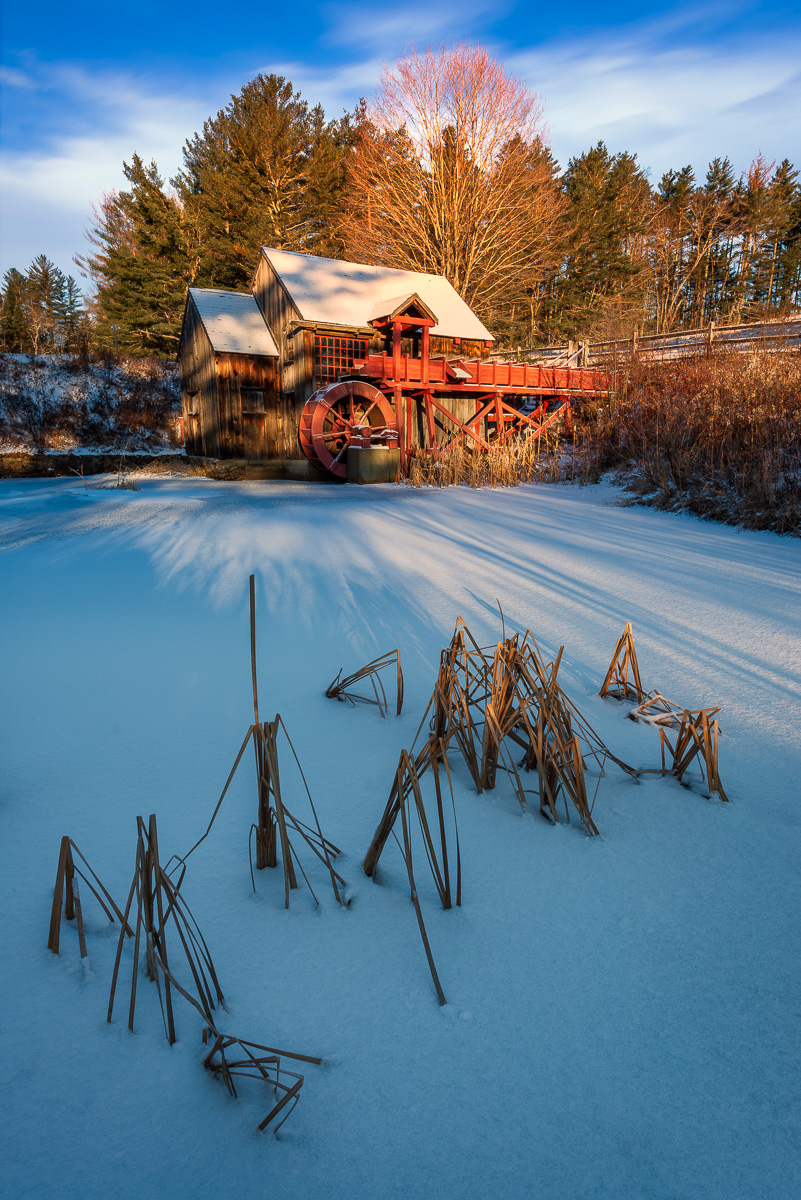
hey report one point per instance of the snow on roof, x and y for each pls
(234, 322)
(388, 308)
(329, 291)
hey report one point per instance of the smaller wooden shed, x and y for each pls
(229, 367)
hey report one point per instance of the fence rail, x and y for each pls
(687, 343)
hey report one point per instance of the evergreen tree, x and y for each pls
(44, 301)
(141, 265)
(13, 324)
(264, 171)
(784, 281)
(715, 296)
(609, 200)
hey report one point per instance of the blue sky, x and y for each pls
(85, 85)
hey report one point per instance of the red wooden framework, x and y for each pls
(431, 382)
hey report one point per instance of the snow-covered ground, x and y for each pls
(623, 1016)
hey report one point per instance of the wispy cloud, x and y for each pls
(48, 190)
(680, 89)
(672, 101)
(11, 77)
(385, 32)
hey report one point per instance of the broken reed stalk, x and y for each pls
(278, 815)
(658, 710)
(275, 823)
(624, 661)
(405, 791)
(157, 900)
(489, 700)
(407, 855)
(265, 1066)
(67, 883)
(340, 689)
(697, 737)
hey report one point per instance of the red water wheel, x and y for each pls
(338, 413)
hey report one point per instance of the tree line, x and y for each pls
(446, 169)
(41, 310)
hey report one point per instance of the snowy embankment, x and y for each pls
(56, 404)
(623, 1015)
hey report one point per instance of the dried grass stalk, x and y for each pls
(259, 1062)
(624, 662)
(66, 882)
(340, 689)
(275, 824)
(697, 738)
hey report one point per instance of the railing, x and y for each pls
(490, 374)
(686, 343)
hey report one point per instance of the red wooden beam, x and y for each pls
(465, 430)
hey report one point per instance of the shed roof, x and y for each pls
(333, 292)
(234, 322)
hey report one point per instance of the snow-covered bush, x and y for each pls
(55, 403)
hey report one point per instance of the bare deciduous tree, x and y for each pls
(452, 175)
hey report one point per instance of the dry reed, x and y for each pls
(522, 460)
(720, 436)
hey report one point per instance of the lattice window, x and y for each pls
(333, 356)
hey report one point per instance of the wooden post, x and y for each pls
(398, 398)
(424, 351)
(498, 415)
(432, 428)
(396, 351)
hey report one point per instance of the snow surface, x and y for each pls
(345, 293)
(234, 322)
(623, 1016)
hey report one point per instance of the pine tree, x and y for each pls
(264, 171)
(13, 324)
(784, 281)
(716, 296)
(141, 265)
(44, 302)
(601, 289)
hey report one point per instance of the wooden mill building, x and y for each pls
(250, 361)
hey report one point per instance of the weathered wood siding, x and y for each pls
(295, 376)
(198, 387)
(247, 434)
(459, 348)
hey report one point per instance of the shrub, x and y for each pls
(720, 436)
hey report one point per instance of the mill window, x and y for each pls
(252, 400)
(334, 356)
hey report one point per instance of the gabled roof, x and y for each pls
(385, 310)
(233, 322)
(331, 292)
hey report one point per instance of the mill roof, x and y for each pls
(329, 291)
(233, 322)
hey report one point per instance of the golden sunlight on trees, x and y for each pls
(451, 174)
